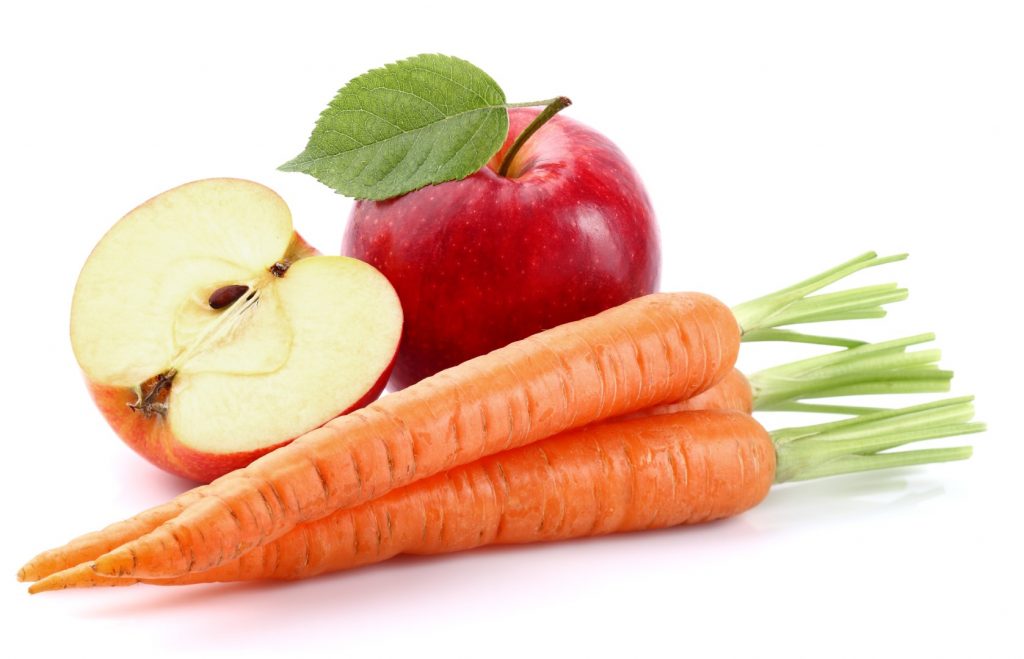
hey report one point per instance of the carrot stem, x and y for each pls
(859, 443)
(824, 408)
(854, 463)
(871, 368)
(844, 359)
(795, 304)
(787, 435)
(771, 334)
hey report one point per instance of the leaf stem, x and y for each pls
(554, 106)
(533, 104)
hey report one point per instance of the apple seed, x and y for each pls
(227, 295)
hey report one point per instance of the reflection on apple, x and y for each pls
(210, 333)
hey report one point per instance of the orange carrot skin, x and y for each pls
(618, 476)
(658, 348)
(733, 392)
(89, 546)
(621, 476)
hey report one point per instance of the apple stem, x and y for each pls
(555, 106)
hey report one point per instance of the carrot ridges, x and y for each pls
(625, 463)
(666, 329)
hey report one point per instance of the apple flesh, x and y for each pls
(489, 259)
(210, 333)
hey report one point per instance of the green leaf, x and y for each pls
(426, 119)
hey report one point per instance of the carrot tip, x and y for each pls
(41, 587)
(56, 581)
(79, 576)
(114, 564)
(35, 569)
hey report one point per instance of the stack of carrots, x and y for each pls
(632, 419)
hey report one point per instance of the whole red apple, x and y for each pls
(489, 259)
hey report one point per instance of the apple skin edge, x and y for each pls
(152, 437)
(298, 248)
(487, 260)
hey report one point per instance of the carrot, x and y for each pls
(863, 369)
(658, 348)
(733, 392)
(866, 365)
(622, 475)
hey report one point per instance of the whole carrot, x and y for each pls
(621, 475)
(867, 368)
(860, 369)
(658, 348)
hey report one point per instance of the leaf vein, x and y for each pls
(407, 93)
(463, 146)
(412, 147)
(386, 140)
(451, 80)
(372, 114)
(335, 131)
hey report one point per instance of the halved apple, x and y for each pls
(210, 333)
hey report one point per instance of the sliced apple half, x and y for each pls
(210, 333)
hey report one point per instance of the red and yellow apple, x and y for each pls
(489, 259)
(210, 333)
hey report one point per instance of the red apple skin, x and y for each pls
(152, 437)
(487, 260)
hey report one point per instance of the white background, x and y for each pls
(774, 138)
